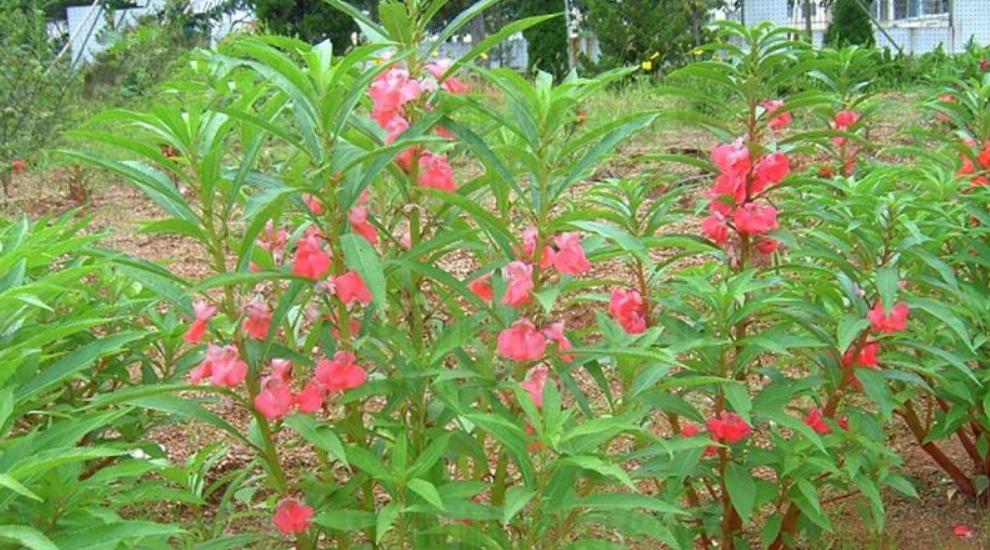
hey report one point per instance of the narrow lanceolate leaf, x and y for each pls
(516, 498)
(28, 537)
(8, 482)
(362, 258)
(386, 517)
(742, 490)
(887, 284)
(426, 490)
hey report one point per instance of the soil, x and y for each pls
(927, 523)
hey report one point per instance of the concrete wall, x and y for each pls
(970, 18)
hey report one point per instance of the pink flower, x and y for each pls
(535, 380)
(222, 365)
(273, 240)
(282, 369)
(866, 357)
(351, 288)
(895, 322)
(732, 158)
(521, 342)
(985, 65)
(310, 261)
(204, 312)
(629, 310)
(389, 92)
(451, 84)
(753, 219)
(845, 119)
(780, 121)
(482, 287)
(314, 204)
(529, 237)
(520, 282)
(293, 517)
(690, 430)
(555, 332)
(394, 128)
(715, 229)
(767, 246)
(435, 172)
(310, 399)
(816, 421)
(258, 322)
(18, 166)
(340, 373)
(771, 170)
(961, 530)
(727, 191)
(569, 258)
(729, 427)
(274, 400)
(358, 217)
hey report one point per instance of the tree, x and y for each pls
(309, 20)
(850, 25)
(660, 31)
(547, 42)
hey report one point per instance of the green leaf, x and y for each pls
(26, 536)
(738, 396)
(386, 517)
(8, 482)
(887, 284)
(362, 258)
(318, 434)
(346, 520)
(516, 498)
(849, 329)
(742, 490)
(426, 490)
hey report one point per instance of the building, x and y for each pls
(913, 26)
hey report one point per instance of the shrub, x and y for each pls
(850, 25)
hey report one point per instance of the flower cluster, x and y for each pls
(394, 94)
(979, 173)
(736, 197)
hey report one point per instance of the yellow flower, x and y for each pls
(697, 51)
(647, 65)
(484, 56)
(655, 55)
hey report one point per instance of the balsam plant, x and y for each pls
(431, 325)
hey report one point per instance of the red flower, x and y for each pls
(780, 121)
(204, 312)
(340, 373)
(845, 119)
(351, 288)
(390, 91)
(358, 217)
(963, 531)
(715, 229)
(529, 237)
(816, 421)
(436, 172)
(753, 219)
(535, 380)
(222, 365)
(555, 332)
(690, 430)
(767, 246)
(629, 310)
(985, 65)
(275, 398)
(258, 322)
(732, 158)
(771, 170)
(18, 166)
(865, 357)
(569, 258)
(310, 399)
(293, 517)
(729, 427)
(314, 204)
(482, 287)
(520, 282)
(521, 342)
(310, 261)
(844, 423)
(895, 322)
